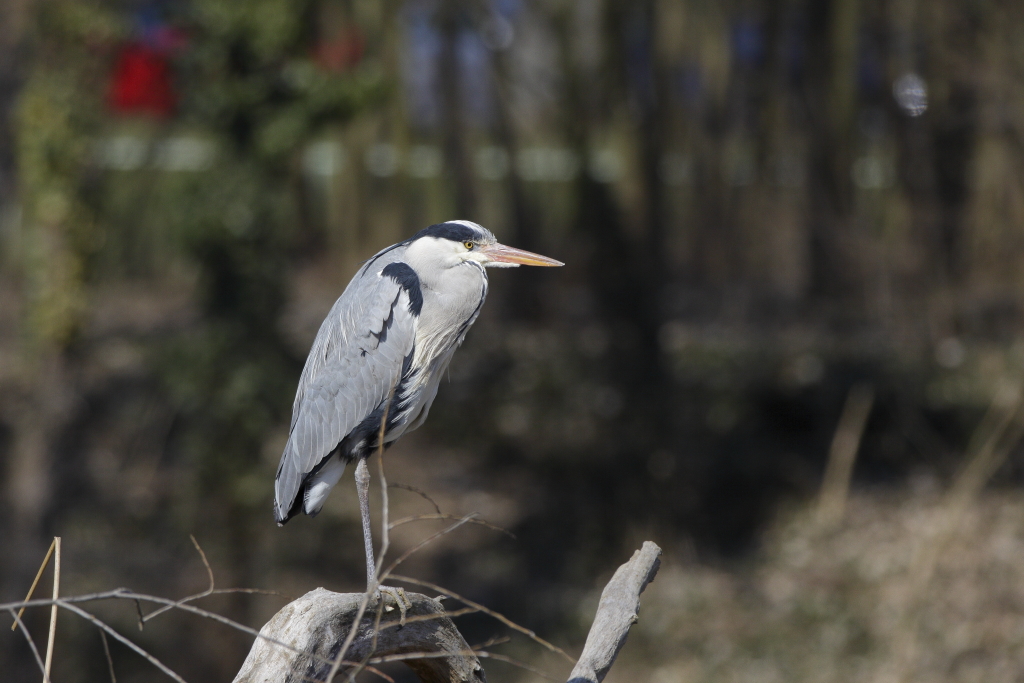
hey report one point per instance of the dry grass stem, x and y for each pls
(500, 617)
(53, 609)
(835, 487)
(35, 582)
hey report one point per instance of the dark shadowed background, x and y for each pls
(762, 206)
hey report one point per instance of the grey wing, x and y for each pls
(356, 359)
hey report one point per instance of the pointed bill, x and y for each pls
(499, 253)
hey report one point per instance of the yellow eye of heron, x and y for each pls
(468, 245)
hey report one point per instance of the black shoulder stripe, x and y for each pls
(407, 279)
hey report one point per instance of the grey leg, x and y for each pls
(363, 491)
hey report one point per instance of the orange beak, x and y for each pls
(499, 253)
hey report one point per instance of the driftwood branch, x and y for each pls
(314, 627)
(318, 623)
(618, 610)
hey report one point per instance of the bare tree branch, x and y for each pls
(618, 610)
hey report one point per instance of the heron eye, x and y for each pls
(468, 245)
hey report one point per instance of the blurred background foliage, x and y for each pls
(761, 205)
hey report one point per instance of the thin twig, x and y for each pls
(404, 556)
(430, 617)
(481, 522)
(206, 563)
(500, 617)
(53, 609)
(419, 492)
(350, 637)
(371, 669)
(497, 640)
(145, 655)
(31, 643)
(406, 656)
(208, 591)
(106, 651)
(516, 662)
(125, 594)
(205, 594)
(373, 642)
(35, 582)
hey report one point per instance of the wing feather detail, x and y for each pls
(356, 359)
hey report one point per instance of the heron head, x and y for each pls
(456, 242)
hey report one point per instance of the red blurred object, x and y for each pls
(342, 52)
(141, 82)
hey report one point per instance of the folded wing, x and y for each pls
(356, 360)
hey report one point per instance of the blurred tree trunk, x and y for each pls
(955, 33)
(831, 93)
(13, 23)
(626, 278)
(451, 20)
(524, 302)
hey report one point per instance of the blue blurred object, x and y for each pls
(747, 42)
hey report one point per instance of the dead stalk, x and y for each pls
(53, 609)
(835, 487)
(35, 582)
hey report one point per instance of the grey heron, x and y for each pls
(382, 351)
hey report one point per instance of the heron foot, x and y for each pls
(400, 598)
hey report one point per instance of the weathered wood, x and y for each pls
(317, 624)
(617, 611)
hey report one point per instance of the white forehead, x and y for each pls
(470, 224)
